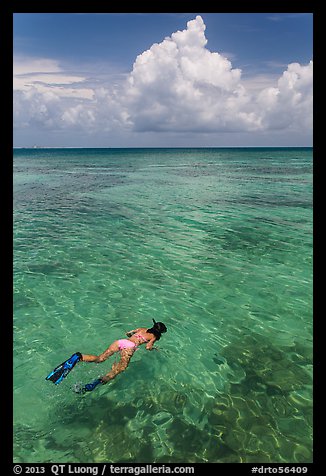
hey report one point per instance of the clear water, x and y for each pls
(217, 244)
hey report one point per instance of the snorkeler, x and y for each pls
(126, 347)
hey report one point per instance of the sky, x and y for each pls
(162, 80)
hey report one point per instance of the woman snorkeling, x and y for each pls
(126, 347)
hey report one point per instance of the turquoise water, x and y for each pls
(217, 244)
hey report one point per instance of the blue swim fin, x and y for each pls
(88, 387)
(60, 372)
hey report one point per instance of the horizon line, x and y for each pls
(171, 147)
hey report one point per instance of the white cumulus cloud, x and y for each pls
(289, 104)
(178, 85)
(46, 95)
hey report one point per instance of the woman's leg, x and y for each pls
(114, 347)
(120, 366)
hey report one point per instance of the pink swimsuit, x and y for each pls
(128, 344)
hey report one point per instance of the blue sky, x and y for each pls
(179, 79)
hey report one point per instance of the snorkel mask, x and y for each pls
(157, 329)
(159, 326)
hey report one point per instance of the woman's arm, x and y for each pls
(130, 333)
(149, 345)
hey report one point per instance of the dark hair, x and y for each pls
(157, 329)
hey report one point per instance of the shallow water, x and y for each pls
(217, 244)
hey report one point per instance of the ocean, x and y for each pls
(217, 244)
